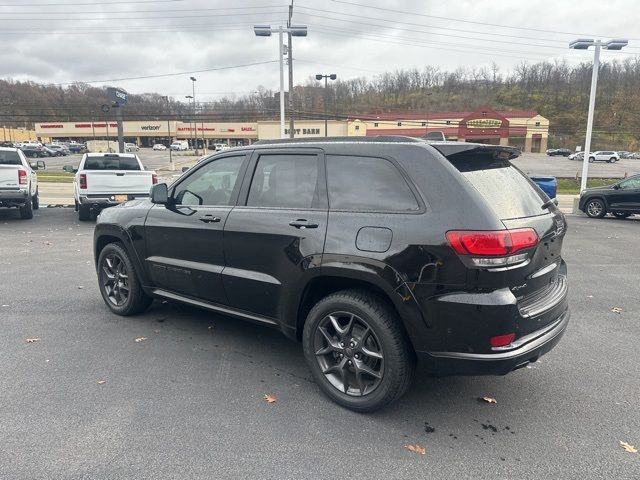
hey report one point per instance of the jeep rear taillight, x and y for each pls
(22, 177)
(83, 181)
(496, 248)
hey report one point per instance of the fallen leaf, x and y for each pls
(628, 448)
(269, 398)
(589, 296)
(80, 287)
(32, 340)
(140, 339)
(101, 382)
(487, 399)
(416, 449)
(210, 327)
(617, 310)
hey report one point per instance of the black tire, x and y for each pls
(592, 159)
(26, 211)
(35, 201)
(84, 213)
(595, 208)
(621, 214)
(613, 160)
(386, 337)
(123, 293)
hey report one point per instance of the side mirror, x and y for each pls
(41, 165)
(69, 169)
(184, 169)
(160, 194)
(33, 165)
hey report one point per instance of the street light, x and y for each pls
(172, 165)
(295, 31)
(320, 76)
(195, 121)
(584, 44)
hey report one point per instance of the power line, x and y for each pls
(166, 12)
(466, 21)
(169, 74)
(148, 18)
(116, 2)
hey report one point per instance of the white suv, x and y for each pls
(604, 156)
(18, 182)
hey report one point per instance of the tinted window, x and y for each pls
(211, 184)
(111, 162)
(10, 158)
(289, 181)
(632, 183)
(509, 191)
(367, 183)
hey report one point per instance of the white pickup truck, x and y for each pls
(18, 182)
(106, 179)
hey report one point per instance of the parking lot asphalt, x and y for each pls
(187, 402)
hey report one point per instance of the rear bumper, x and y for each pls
(530, 349)
(13, 198)
(104, 201)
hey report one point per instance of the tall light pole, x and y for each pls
(296, 31)
(172, 165)
(93, 128)
(584, 44)
(331, 76)
(195, 121)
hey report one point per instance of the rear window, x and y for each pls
(111, 162)
(509, 191)
(10, 158)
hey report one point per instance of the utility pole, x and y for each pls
(290, 52)
(172, 166)
(93, 128)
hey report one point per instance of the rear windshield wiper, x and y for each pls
(548, 203)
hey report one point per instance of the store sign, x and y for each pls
(117, 96)
(149, 128)
(484, 123)
(51, 125)
(304, 131)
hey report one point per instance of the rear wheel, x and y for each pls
(119, 284)
(595, 208)
(26, 211)
(84, 213)
(35, 201)
(621, 214)
(357, 350)
(592, 159)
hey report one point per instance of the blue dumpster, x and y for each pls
(548, 184)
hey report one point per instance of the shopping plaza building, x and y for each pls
(523, 129)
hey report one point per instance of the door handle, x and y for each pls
(210, 219)
(302, 223)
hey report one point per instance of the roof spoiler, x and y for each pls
(458, 150)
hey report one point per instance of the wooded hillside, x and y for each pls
(557, 91)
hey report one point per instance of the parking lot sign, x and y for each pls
(117, 96)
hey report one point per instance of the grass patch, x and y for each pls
(572, 186)
(55, 177)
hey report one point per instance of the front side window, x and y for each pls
(285, 181)
(367, 184)
(631, 184)
(212, 184)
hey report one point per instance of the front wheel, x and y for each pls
(118, 282)
(357, 350)
(595, 208)
(592, 159)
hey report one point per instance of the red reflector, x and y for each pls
(83, 180)
(502, 340)
(492, 243)
(154, 178)
(22, 177)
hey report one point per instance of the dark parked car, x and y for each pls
(621, 199)
(564, 152)
(77, 147)
(35, 151)
(373, 253)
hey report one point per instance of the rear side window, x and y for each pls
(111, 162)
(10, 158)
(509, 191)
(286, 181)
(367, 184)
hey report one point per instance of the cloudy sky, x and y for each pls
(63, 41)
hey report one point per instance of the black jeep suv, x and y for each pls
(373, 253)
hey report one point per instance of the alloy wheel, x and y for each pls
(115, 279)
(349, 353)
(594, 208)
